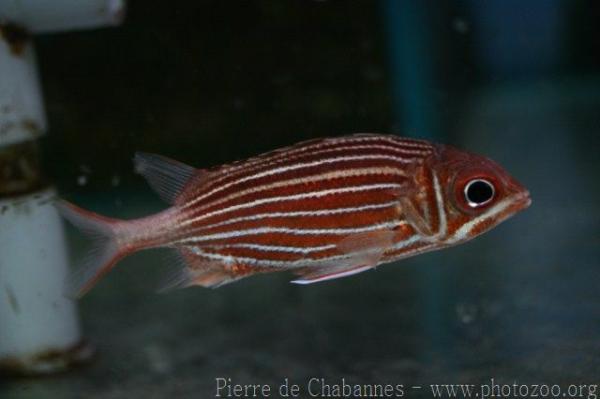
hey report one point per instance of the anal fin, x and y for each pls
(192, 269)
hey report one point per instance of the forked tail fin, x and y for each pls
(106, 234)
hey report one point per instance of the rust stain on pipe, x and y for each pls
(48, 361)
(20, 170)
(29, 126)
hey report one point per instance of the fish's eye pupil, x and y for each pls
(479, 192)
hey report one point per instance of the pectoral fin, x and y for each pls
(364, 252)
(372, 240)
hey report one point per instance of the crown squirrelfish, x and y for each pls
(323, 209)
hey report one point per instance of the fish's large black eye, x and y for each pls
(479, 192)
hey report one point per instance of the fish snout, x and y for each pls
(519, 193)
(524, 199)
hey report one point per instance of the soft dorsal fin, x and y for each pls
(166, 176)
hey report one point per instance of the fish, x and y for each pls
(322, 209)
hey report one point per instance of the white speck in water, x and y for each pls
(460, 25)
(82, 180)
(115, 180)
(466, 313)
(158, 359)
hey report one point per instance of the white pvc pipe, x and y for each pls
(39, 328)
(22, 114)
(44, 16)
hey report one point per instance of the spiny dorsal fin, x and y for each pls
(166, 176)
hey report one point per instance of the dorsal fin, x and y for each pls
(166, 176)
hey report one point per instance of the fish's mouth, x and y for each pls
(518, 194)
(516, 204)
(522, 200)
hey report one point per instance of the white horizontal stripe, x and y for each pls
(260, 162)
(331, 175)
(229, 260)
(326, 145)
(311, 194)
(348, 257)
(318, 212)
(275, 248)
(287, 168)
(287, 154)
(405, 243)
(395, 140)
(286, 230)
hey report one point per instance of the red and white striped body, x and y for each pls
(323, 208)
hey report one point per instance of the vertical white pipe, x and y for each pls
(21, 109)
(39, 327)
